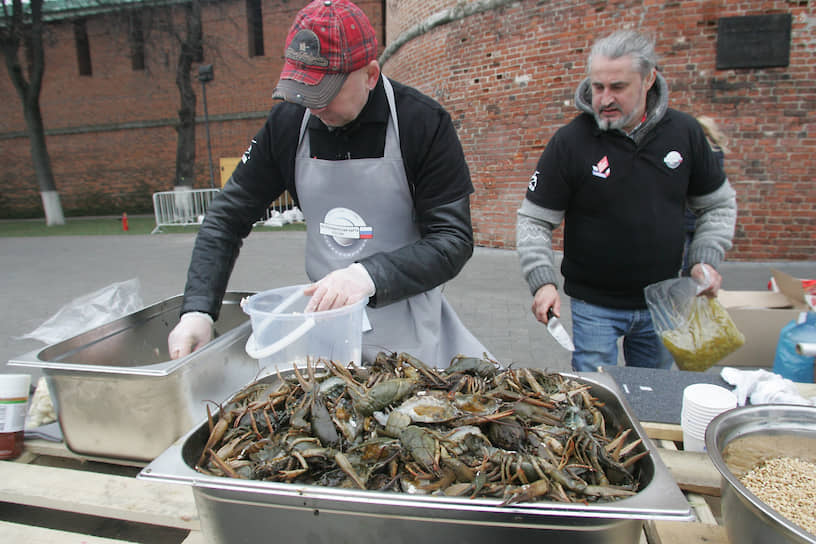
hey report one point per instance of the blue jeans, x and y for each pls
(596, 329)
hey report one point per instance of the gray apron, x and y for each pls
(356, 208)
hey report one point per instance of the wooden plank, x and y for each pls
(693, 471)
(15, 532)
(701, 508)
(807, 390)
(195, 537)
(111, 496)
(666, 445)
(644, 537)
(680, 532)
(59, 449)
(663, 431)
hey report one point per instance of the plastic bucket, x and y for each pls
(283, 333)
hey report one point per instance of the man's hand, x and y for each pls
(545, 298)
(193, 331)
(705, 274)
(340, 288)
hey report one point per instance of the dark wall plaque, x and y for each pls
(753, 41)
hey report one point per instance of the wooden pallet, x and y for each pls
(49, 476)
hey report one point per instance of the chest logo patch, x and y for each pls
(602, 169)
(345, 226)
(533, 181)
(673, 159)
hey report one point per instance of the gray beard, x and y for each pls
(605, 124)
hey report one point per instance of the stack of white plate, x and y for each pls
(702, 402)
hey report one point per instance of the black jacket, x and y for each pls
(624, 202)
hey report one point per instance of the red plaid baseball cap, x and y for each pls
(328, 40)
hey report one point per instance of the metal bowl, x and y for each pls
(747, 519)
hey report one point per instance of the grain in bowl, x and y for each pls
(788, 485)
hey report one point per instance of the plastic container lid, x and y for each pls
(14, 385)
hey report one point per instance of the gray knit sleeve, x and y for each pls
(534, 226)
(716, 221)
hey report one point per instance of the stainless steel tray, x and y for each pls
(239, 510)
(117, 393)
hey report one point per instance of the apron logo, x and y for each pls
(345, 226)
(602, 169)
(345, 234)
(673, 159)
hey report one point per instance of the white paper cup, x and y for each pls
(709, 398)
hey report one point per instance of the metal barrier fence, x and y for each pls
(182, 207)
(187, 207)
(283, 203)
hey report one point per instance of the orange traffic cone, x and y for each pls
(124, 221)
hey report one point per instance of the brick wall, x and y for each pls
(111, 136)
(507, 76)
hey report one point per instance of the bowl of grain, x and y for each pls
(766, 455)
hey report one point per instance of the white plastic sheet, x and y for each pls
(763, 387)
(90, 311)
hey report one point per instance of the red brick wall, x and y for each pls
(506, 76)
(508, 79)
(121, 167)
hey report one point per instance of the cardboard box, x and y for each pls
(760, 316)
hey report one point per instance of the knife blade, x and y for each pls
(558, 331)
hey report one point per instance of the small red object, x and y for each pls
(124, 221)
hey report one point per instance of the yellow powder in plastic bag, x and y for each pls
(707, 336)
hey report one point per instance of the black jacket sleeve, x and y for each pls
(266, 171)
(445, 246)
(216, 248)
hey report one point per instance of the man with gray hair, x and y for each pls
(620, 176)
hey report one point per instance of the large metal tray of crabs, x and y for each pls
(472, 430)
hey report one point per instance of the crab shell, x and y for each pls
(475, 404)
(425, 407)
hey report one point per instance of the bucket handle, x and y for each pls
(253, 351)
(280, 307)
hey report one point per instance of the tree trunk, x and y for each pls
(190, 47)
(13, 32)
(42, 165)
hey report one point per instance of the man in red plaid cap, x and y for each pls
(380, 175)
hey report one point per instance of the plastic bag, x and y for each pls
(90, 311)
(696, 330)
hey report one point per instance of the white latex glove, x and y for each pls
(193, 330)
(339, 288)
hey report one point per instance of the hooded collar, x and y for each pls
(657, 102)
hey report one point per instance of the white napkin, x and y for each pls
(763, 387)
